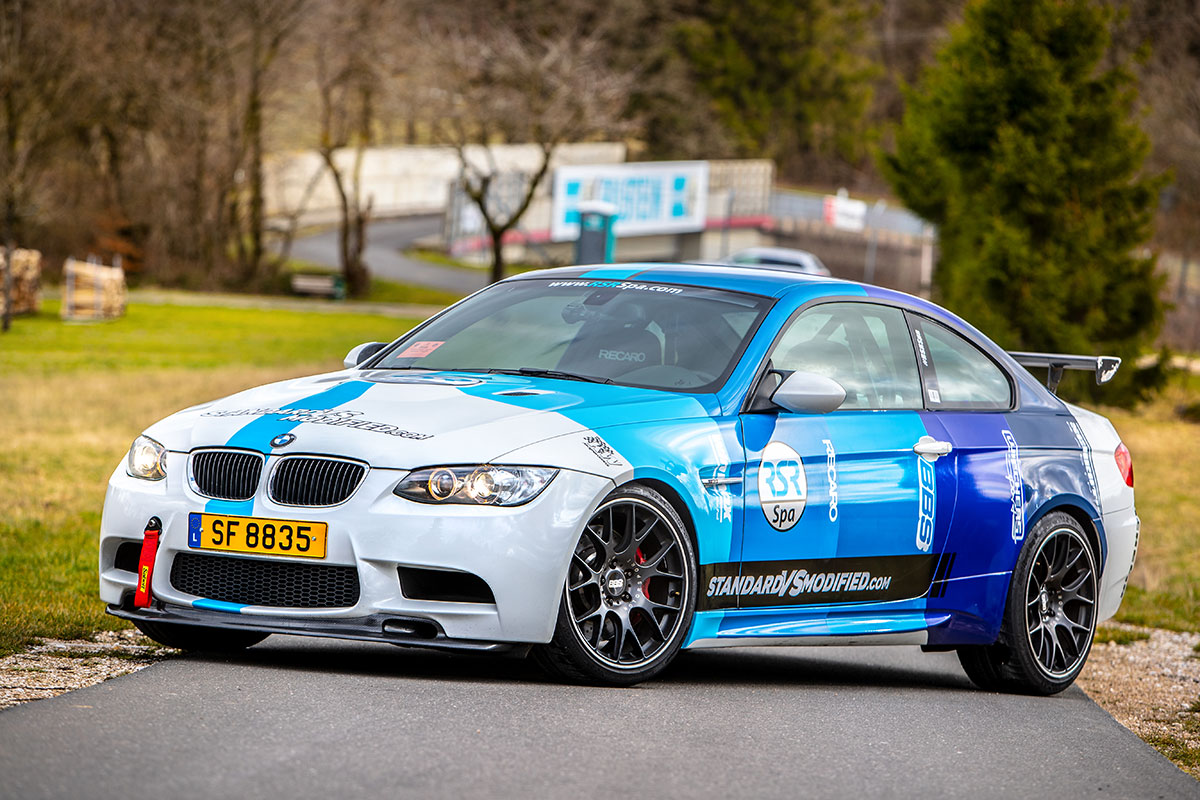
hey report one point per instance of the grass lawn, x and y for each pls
(382, 290)
(441, 259)
(74, 396)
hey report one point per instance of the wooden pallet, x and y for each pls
(92, 291)
(26, 281)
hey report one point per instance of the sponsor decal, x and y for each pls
(831, 474)
(621, 285)
(722, 498)
(782, 486)
(1085, 452)
(926, 503)
(383, 376)
(921, 346)
(419, 349)
(1016, 489)
(760, 584)
(606, 454)
(341, 419)
(935, 396)
(622, 355)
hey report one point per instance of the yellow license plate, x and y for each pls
(276, 537)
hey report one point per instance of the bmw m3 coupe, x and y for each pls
(604, 465)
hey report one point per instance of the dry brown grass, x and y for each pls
(1165, 585)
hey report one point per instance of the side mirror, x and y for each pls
(809, 393)
(361, 353)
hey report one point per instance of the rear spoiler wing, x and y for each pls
(1105, 367)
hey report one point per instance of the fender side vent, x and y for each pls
(444, 586)
(941, 576)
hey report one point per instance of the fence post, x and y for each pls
(926, 261)
(873, 244)
(69, 294)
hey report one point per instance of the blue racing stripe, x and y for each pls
(217, 605)
(257, 434)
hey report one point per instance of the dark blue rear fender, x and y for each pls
(1052, 481)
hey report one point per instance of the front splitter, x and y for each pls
(383, 628)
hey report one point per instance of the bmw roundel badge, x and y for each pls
(283, 440)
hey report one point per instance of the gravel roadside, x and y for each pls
(1152, 687)
(54, 666)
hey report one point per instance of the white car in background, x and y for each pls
(781, 257)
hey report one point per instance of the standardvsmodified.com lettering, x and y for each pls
(796, 582)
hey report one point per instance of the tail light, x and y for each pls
(1124, 463)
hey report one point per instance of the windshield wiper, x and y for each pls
(538, 372)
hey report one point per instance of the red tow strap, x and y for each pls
(146, 563)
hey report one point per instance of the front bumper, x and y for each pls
(521, 552)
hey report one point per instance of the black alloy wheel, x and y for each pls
(629, 595)
(1060, 602)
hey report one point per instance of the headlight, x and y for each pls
(485, 485)
(147, 459)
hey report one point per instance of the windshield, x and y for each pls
(680, 338)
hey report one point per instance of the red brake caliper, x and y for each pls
(641, 559)
(141, 599)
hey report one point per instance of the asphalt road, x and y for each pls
(384, 256)
(297, 718)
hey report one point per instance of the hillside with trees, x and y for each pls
(143, 126)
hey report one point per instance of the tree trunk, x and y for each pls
(254, 133)
(358, 279)
(10, 249)
(498, 253)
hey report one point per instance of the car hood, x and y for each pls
(407, 419)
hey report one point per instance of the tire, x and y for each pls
(197, 637)
(629, 596)
(1050, 618)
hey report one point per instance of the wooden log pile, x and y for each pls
(26, 281)
(92, 291)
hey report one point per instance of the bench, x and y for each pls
(321, 285)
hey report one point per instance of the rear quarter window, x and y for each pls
(959, 374)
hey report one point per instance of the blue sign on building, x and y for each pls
(651, 197)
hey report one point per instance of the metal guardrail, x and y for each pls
(810, 205)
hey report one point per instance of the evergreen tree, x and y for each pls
(1020, 144)
(784, 77)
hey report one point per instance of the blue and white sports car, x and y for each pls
(604, 465)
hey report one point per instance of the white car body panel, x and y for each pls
(1118, 515)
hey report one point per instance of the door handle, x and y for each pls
(930, 448)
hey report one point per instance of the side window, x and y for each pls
(959, 374)
(864, 347)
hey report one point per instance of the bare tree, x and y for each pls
(498, 83)
(351, 59)
(37, 81)
(268, 25)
